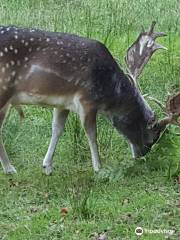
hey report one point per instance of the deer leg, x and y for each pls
(59, 119)
(88, 121)
(7, 167)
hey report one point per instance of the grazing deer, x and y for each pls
(72, 73)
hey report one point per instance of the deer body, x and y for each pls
(69, 73)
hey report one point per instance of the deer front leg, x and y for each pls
(59, 119)
(88, 121)
(7, 167)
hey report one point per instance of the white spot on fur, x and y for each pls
(15, 36)
(12, 63)
(6, 49)
(47, 39)
(3, 69)
(77, 81)
(15, 51)
(13, 73)
(11, 47)
(1, 54)
(26, 44)
(26, 59)
(31, 39)
(7, 65)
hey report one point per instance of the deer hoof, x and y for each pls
(47, 170)
(10, 170)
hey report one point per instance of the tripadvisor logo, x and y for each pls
(138, 231)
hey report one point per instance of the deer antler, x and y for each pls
(172, 110)
(141, 51)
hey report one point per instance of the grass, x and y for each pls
(125, 194)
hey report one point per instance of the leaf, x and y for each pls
(63, 211)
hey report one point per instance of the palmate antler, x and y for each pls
(141, 51)
(172, 110)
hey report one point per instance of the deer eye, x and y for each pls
(151, 122)
(156, 127)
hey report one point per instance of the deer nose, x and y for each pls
(146, 149)
(142, 151)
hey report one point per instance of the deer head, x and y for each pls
(137, 57)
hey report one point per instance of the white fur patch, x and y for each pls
(69, 102)
(36, 68)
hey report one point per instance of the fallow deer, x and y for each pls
(72, 73)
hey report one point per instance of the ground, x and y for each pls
(74, 203)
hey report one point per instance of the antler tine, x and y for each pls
(171, 119)
(152, 27)
(162, 107)
(155, 34)
(158, 34)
